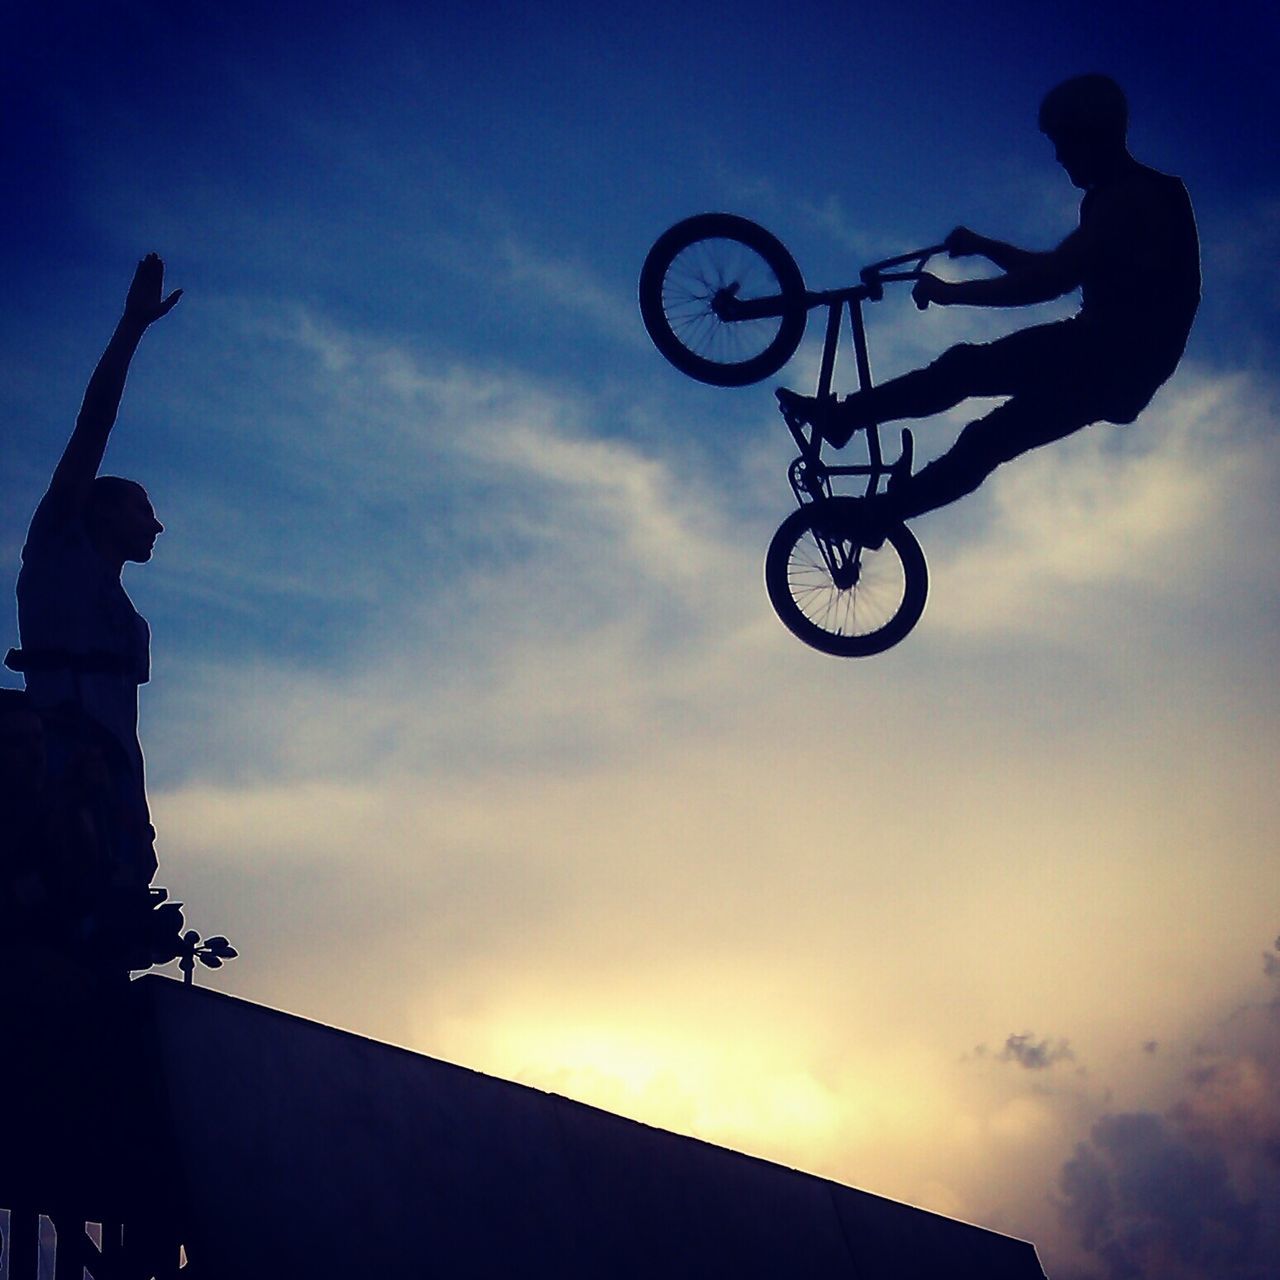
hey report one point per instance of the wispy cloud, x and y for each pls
(834, 220)
(571, 284)
(1141, 507)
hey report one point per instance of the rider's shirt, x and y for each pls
(71, 601)
(1140, 278)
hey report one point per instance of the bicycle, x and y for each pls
(725, 303)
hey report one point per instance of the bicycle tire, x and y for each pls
(688, 266)
(870, 616)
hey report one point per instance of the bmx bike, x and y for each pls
(725, 303)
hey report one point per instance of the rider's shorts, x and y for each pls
(1068, 363)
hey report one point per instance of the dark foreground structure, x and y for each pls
(271, 1146)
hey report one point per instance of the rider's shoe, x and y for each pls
(834, 421)
(805, 410)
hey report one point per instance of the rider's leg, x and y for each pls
(1013, 428)
(958, 373)
(1020, 363)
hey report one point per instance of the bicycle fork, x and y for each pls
(809, 476)
(810, 481)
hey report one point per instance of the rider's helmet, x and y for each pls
(1091, 106)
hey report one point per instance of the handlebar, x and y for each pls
(727, 306)
(874, 276)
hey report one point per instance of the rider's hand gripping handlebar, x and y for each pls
(874, 276)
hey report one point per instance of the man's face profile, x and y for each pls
(126, 524)
(1078, 154)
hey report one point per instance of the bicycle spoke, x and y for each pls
(696, 277)
(856, 610)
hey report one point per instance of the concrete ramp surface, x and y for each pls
(312, 1152)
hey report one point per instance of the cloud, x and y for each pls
(1271, 961)
(1143, 1199)
(394, 468)
(1136, 509)
(418, 499)
(570, 284)
(1193, 1192)
(1160, 1166)
(1033, 1055)
(480, 588)
(831, 217)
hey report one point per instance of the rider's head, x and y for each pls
(120, 520)
(1086, 118)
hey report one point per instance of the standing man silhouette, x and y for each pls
(1136, 259)
(86, 649)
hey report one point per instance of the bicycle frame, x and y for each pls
(810, 476)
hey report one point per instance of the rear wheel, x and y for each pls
(838, 596)
(722, 299)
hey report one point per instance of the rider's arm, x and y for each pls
(83, 455)
(1029, 278)
(963, 243)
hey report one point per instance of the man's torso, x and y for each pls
(1141, 276)
(71, 601)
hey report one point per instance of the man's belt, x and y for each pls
(96, 663)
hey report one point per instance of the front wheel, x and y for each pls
(722, 299)
(840, 597)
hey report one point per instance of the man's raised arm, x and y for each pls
(83, 455)
(1029, 277)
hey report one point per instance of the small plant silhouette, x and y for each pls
(211, 952)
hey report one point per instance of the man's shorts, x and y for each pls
(1068, 364)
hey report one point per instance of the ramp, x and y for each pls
(307, 1151)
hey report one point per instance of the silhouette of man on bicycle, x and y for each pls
(1135, 257)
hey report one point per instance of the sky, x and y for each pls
(470, 722)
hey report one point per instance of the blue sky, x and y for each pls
(469, 719)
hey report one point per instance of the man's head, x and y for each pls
(1086, 118)
(120, 520)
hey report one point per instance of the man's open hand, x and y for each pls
(144, 302)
